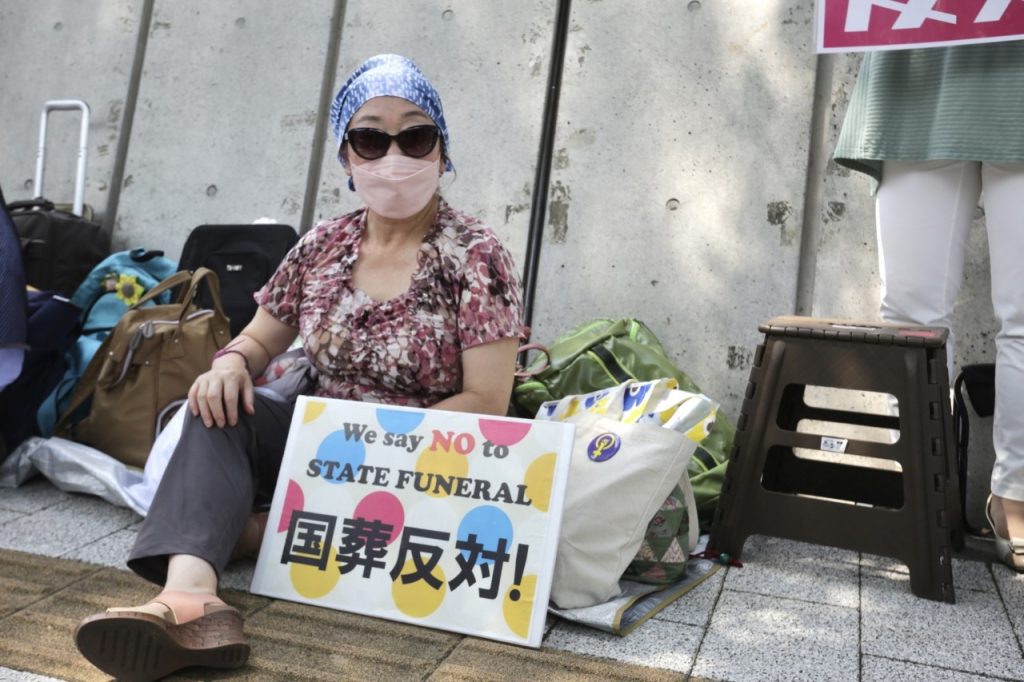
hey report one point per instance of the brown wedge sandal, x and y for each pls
(198, 630)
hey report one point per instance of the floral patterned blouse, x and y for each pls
(405, 351)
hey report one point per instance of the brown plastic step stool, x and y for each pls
(912, 515)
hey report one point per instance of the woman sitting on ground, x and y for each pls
(404, 302)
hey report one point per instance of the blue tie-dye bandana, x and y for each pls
(387, 75)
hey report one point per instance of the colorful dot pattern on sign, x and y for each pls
(384, 507)
(339, 448)
(293, 500)
(483, 526)
(442, 461)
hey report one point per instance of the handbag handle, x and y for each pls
(174, 280)
(189, 294)
(524, 373)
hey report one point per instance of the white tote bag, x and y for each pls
(620, 474)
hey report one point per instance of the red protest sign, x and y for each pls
(865, 25)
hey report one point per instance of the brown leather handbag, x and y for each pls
(144, 369)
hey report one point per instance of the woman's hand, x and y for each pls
(215, 395)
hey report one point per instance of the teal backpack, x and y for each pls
(605, 352)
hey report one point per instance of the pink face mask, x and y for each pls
(396, 186)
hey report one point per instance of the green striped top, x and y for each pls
(960, 103)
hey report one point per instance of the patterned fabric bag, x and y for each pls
(666, 546)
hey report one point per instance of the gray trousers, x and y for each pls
(214, 479)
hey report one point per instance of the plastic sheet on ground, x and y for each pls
(638, 601)
(72, 467)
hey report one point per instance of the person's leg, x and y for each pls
(923, 212)
(207, 492)
(1003, 187)
(202, 505)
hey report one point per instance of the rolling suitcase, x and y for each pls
(59, 247)
(244, 258)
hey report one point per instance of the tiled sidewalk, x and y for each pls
(793, 612)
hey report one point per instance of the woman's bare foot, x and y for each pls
(1008, 522)
(185, 574)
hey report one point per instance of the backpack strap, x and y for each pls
(611, 364)
(84, 388)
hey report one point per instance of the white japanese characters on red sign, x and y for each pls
(865, 25)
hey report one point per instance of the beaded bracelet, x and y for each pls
(224, 351)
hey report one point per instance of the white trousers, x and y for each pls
(923, 212)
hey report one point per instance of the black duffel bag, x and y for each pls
(58, 248)
(244, 258)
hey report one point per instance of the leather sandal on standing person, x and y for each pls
(1009, 550)
(196, 630)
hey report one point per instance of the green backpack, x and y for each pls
(605, 352)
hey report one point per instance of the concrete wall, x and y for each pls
(689, 185)
(58, 49)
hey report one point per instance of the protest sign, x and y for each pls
(866, 25)
(443, 519)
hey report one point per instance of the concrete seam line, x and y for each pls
(443, 658)
(542, 178)
(817, 161)
(62, 588)
(128, 118)
(316, 151)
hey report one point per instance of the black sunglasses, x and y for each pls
(371, 143)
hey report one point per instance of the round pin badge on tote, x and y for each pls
(603, 447)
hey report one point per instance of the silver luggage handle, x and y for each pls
(83, 148)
